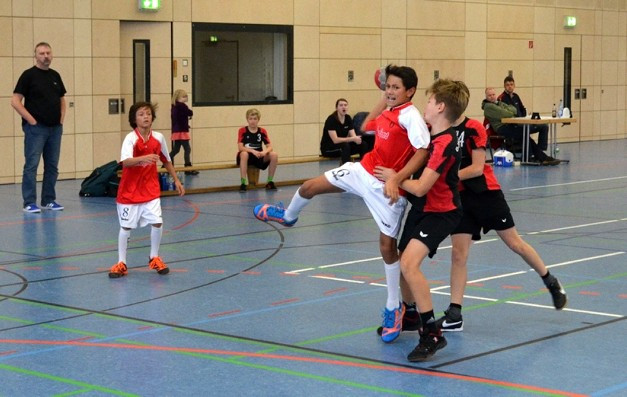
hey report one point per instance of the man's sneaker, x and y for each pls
(270, 186)
(275, 213)
(118, 270)
(157, 264)
(430, 342)
(32, 208)
(447, 323)
(242, 188)
(558, 294)
(411, 321)
(54, 206)
(392, 321)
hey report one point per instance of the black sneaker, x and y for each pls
(192, 172)
(450, 324)
(411, 321)
(270, 186)
(558, 294)
(242, 188)
(429, 344)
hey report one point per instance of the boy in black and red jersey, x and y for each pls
(250, 150)
(484, 208)
(401, 144)
(432, 219)
(138, 200)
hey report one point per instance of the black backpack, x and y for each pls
(103, 181)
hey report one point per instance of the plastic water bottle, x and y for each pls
(554, 112)
(560, 110)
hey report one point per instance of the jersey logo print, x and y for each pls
(504, 220)
(423, 235)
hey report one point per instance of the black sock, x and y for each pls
(548, 278)
(428, 321)
(410, 307)
(454, 311)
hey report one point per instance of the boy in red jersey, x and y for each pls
(401, 141)
(484, 208)
(433, 219)
(138, 199)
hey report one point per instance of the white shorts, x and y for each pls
(131, 215)
(353, 178)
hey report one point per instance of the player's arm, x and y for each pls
(420, 187)
(140, 160)
(476, 167)
(170, 168)
(378, 108)
(416, 162)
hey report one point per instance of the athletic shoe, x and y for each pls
(392, 322)
(450, 324)
(270, 186)
(275, 213)
(157, 264)
(54, 206)
(411, 321)
(192, 172)
(430, 342)
(558, 294)
(242, 188)
(32, 208)
(118, 270)
(550, 161)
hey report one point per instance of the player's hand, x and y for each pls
(390, 190)
(384, 174)
(357, 140)
(179, 188)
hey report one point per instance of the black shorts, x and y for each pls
(431, 228)
(487, 210)
(254, 161)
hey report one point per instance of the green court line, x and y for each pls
(65, 380)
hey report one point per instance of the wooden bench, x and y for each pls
(253, 175)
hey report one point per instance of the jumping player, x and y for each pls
(401, 144)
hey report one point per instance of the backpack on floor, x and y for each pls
(103, 181)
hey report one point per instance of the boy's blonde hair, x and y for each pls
(178, 94)
(253, 112)
(453, 93)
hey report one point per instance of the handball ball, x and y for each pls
(379, 79)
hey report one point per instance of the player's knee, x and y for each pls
(157, 225)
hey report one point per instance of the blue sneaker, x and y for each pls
(32, 208)
(54, 206)
(275, 213)
(392, 323)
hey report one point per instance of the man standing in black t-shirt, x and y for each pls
(42, 112)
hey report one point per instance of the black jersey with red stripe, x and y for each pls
(444, 158)
(475, 137)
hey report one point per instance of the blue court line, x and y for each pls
(609, 390)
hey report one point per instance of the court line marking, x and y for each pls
(568, 183)
(366, 365)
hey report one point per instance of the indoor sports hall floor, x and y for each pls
(259, 310)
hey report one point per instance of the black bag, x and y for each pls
(103, 181)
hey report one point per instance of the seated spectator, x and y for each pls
(509, 97)
(495, 110)
(338, 136)
(250, 143)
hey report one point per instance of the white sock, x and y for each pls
(155, 241)
(123, 237)
(393, 279)
(296, 206)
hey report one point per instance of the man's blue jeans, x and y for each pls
(40, 141)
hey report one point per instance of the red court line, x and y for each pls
(283, 302)
(215, 271)
(590, 293)
(335, 291)
(192, 219)
(224, 313)
(511, 287)
(378, 367)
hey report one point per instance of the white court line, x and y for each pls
(339, 279)
(568, 183)
(566, 309)
(577, 226)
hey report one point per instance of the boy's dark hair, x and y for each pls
(405, 73)
(132, 112)
(508, 78)
(453, 93)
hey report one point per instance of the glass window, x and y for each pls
(241, 64)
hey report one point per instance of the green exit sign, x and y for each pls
(149, 5)
(570, 22)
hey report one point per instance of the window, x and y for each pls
(241, 64)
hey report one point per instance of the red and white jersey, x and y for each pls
(140, 184)
(400, 131)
